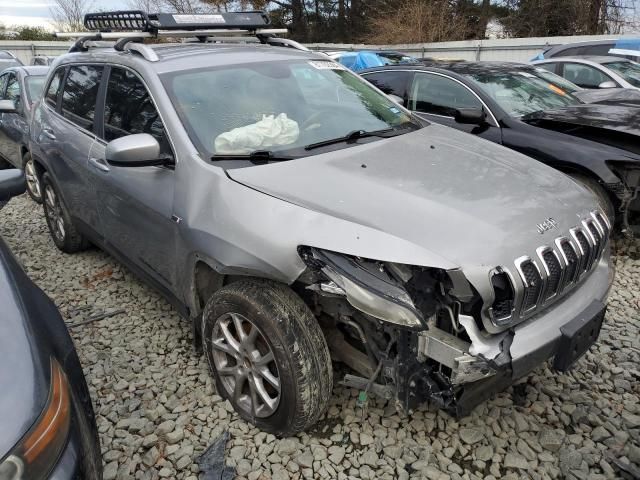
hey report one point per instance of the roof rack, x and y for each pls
(127, 27)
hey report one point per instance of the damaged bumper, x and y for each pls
(489, 364)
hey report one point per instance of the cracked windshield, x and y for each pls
(284, 107)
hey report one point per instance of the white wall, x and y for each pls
(513, 49)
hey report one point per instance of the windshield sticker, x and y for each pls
(556, 89)
(198, 19)
(326, 65)
(395, 110)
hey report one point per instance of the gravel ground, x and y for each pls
(157, 408)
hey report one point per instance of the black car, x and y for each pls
(47, 424)
(20, 87)
(598, 145)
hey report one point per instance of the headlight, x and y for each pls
(369, 290)
(37, 452)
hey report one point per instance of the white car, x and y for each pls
(595, 72)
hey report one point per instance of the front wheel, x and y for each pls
(34, 188)
(268, 355)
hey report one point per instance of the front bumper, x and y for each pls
(564, 331)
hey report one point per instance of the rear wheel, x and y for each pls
(268, 355)
(34, 188)
(604, 201)
(63, 232)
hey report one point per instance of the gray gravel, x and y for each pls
(157, 408)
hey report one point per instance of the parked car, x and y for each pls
(46, 418)
(360, 60)
(20, 87)
(624, 47)
(597, 145)
(7, 60)
(289, 209)
(43, 60)
(596, 72)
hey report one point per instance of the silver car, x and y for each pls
(595, 72)
(295, 214)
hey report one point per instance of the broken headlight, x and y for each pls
(367, 285)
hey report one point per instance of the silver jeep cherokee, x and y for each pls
(296, 215)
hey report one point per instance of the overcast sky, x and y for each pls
(38, 12)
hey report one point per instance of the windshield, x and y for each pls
(520, 93)
(277, 106)
(35, 84)
(630, 71)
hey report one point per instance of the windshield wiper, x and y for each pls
(353, 136)
(257, 156)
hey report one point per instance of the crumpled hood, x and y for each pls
(620, 118)
(465, 199)
(626, 96)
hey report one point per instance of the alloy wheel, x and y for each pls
(33, 184)
(246, 365)
(54, 213)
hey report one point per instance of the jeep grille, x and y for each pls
(554, 271)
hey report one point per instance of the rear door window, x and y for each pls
(80, 93)
(13, 92)
(584, 76)
(129, 109)
(438, 95)
(3, 84)
(51, 96)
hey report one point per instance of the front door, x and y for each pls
(436, 97)
(135, 204)
(12, 125)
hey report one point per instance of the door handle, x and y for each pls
(98, 164)
(49, 133)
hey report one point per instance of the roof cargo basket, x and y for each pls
(137, 20)
(131, 27)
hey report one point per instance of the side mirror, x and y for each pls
(470, 116)
(396, 99)
(608, 84)
(7, 106)
(138, 150)
(12, 183)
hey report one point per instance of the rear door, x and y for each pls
(135, 204)
(68, 134)
(436, 97)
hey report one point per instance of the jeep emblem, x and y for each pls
(547, 225)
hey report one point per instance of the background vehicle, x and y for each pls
(285, 206)
(501, 102)
(46, 417)
(596, 72)
(43, 60)
(8, 59)
(366, 59)
(624, 47)
(19, 89)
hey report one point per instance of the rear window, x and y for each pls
(80, 94)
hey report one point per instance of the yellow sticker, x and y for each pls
(556, 89)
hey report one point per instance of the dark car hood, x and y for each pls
(620, 118)
(610, 96)
(23, 376)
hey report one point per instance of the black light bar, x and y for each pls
(137, 20)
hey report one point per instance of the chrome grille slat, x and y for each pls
(556, 269)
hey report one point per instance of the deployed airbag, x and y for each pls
(269, 132)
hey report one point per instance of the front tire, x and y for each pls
(63, 232)
(268, 355)
(34, 186)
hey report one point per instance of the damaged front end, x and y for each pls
(409, 332)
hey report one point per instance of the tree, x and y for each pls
(68, 15)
